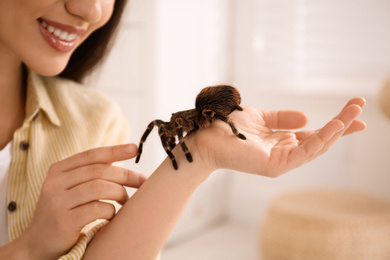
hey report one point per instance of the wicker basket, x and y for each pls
(326, 225)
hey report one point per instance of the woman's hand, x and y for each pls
(71, 194)
(269, 150)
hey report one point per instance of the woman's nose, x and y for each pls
(89, 10)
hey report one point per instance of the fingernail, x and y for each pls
(130, 148)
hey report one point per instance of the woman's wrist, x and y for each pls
(31, 247)
(201, 151)
(16, 249)
(212, 145)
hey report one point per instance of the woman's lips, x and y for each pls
(59, 36)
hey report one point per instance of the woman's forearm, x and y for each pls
(144, 223)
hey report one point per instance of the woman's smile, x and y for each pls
(44, 34)
(61, 37)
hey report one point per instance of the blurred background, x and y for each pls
(309, 55)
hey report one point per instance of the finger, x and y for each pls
(315, 143)
(356, 125)
(105, 172)
(302, 135)
(105, 155)
(359, 101)
(284, 119)
(89, 212)
(96, 190)
(347, 116)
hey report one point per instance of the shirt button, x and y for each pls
(24, 145)
(12, 206)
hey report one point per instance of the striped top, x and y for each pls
(62, 118)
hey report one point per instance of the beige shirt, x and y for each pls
(62, 118)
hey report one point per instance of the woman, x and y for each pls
(63, 138)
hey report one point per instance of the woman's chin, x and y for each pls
(48, 70)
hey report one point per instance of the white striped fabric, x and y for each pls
(62, 118)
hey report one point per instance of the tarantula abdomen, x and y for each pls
(224, 99)
(220, 100)
(212, 103)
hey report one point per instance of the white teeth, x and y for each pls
(70, 37)
(57, 32)
(50, 29)
(62, 35)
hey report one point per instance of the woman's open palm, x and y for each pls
(271, 147)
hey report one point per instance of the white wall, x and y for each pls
(316, 46)
(313, 56)
(129, 74)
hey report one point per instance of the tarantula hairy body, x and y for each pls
(212, 103)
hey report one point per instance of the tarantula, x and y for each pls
(212, 103)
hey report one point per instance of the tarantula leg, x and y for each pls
(171, 143)
(208, 112)
(183, 145)
(165, 144)
(239, 108)
(172, 157)
(145, 135)
(231, 124)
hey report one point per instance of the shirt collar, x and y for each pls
(38, 99)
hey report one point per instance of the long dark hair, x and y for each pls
(92, 51)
